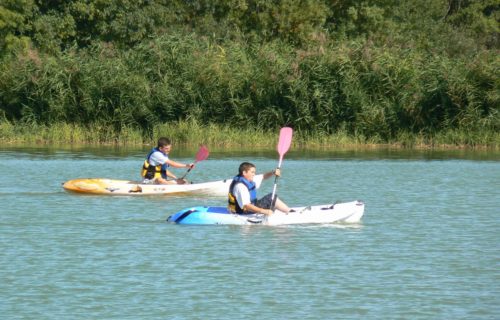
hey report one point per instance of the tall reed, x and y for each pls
(346, 89)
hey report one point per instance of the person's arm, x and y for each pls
(275, 172)
(159, 158)
(176, 164)
(171, 175)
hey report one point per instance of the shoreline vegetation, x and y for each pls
(408, 74)
(222, 136)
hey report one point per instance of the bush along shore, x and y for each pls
(420, 73)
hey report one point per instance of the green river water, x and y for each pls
(427, 248)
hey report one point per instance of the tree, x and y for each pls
(14, 24)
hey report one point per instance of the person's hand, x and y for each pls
(267, 212)
(190, 165)
(277, 172)
(181, 181)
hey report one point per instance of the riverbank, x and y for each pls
(193, 133)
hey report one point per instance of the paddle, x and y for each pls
(283, 145)
(200, 156)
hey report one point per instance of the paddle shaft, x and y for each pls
(275, 185)
(274, 197)
(185, 174)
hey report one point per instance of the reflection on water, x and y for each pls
(368, 153)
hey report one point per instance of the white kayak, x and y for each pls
(347, 212)
(100, 186)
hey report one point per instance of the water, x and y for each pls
(427, 247)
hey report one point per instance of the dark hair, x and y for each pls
(245, 166)
(162, 142)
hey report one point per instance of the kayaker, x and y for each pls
(242, 196)
(155, 167)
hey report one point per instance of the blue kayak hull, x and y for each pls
(348, 212)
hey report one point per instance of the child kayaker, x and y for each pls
(155, 167)
(242, 196)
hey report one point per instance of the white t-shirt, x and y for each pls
(241, 192)
(157, 158)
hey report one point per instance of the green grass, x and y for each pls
(224, 136)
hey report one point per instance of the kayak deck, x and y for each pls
(348, 212)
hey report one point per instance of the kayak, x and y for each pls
(347, 212)
(102, 186)
(135, 188)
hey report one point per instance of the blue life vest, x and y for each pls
(233, 202)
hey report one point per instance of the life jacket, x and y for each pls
(152, 172)
(233, 202)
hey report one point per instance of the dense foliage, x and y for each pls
(376, 69)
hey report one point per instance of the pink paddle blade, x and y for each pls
(284, 143)
(202, 154)
(285, 140)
